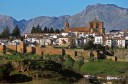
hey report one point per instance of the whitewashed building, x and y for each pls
(98, 39)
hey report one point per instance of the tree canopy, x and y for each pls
(38, 29)
(16, 31)
(5, 33)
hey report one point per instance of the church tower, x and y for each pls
(66, 26)
(96, 26)
(101, 28)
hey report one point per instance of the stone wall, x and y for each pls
(111, 58)
(44, 51)
(29, 49)
(38, 51)
(47, 50)
(12, 47)
(70, 52)
(21, 47)
(2, 48)
(51, 51)
(114, 58)
(84, 53)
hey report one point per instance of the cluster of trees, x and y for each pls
(38, 29)
(90, 45)
(6, 32)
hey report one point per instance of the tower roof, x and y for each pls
(95, 20)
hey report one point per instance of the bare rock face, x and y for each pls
(114, 17)
(10, 22)
(6, 21)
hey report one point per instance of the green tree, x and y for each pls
(51, 30)
(61, 30)
(45, 29)
(57, 31)
(91, 37)
(5, 33)
(38, 29)
(89, 45)
(5, 70)
(16, 31)
(33, 30)
(48, 30)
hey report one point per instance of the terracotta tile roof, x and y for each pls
(79, 29)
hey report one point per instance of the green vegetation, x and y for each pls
(56, 67)
(53, 67)
(105, 67)
(16, 31)
(68, 63)
(89, 45)
(5, 71)
(19, 57)
(6, 32)
(77, 65)
(38, 29)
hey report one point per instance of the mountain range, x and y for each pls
(114, 17)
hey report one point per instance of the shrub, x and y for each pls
(89, 45)
(77, 65)
(68, 64)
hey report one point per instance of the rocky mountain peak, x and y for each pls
(114, 17)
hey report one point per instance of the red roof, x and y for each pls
(79, 29)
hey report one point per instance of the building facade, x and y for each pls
(94, 26)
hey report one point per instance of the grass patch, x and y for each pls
(106, 67)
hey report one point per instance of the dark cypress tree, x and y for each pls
(62, 30)
(38, 29)
(45, 29)
(16, 31)
(33, 30)
(57, 31)
(51, 30)
(5, 33)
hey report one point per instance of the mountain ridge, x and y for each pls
(113, 16)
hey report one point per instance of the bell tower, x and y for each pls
(66, 26)
(96, 26)
(101, 28)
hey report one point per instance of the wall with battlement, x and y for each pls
(47, 50)
(56, 51)
(84, 53)
(12, 47)
(114, 58)
(51, 51)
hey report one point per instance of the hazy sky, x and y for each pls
(27, 9)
